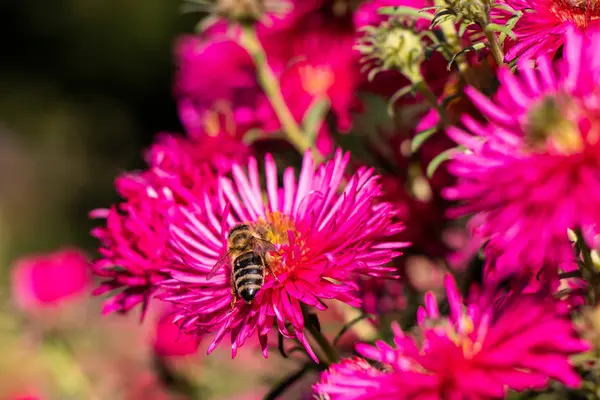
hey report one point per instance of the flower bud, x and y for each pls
(472, 11)
(393, 45)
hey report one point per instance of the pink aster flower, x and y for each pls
(133, 252)
(49, 280)
(543, 27)
(169, 341)
(325, 66)
(489, 344)
(532, 171)
(322, 240)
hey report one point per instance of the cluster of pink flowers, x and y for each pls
(493, 342)
(522, 186)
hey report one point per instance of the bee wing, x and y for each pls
(262, 246)
(218, 265)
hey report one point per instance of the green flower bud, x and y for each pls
(393, 46)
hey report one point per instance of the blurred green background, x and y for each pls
(84, 86)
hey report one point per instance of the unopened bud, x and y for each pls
(244, 12)
(471, 11)
(393, 46)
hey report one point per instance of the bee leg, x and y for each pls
(272, 274)
(233, 291)
(235, 295)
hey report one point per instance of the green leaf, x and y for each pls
(421, 138)
(440, 158)
(476, 47)
(405, 11)
(314, 117)
(502, 29)
(396, 96)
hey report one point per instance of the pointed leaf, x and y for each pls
(503, 29)
(405, 11)
(421, 138)
(440, 158)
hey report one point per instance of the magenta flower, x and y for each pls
(326, 66)
(49, 280)
(487, 345)
(530, 173)
(133, 252)
(169, 341)
(322, 239)
(543, 27)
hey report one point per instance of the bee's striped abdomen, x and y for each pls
(248, 275)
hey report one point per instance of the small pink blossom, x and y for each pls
(169, 341)
(49, 280)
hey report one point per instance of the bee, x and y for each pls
(246, 251)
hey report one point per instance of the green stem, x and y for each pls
(589, 270)
(330, 351)
(495, 47)
(449, 30)
(270, 85)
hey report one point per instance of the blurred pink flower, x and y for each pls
(322, 63)
(531, 173)
(491, 343)
(169, 341)
(323, 239)
(133, 241)
(543, 27)
(216, 76)
(48, 280)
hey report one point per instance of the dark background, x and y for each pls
(84, 85)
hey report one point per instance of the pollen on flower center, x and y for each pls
(581, 12)
(276, 229)
(549, 128)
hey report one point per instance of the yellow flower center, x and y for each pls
(549, 127)
(581, 12)
(275, 229)
(462, 337)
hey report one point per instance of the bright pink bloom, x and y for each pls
(134, 239)
(533, 171)
(48, 280)
(325, 66)
(543, 27)
(169, 341)
(323, 240)
(488, 344)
